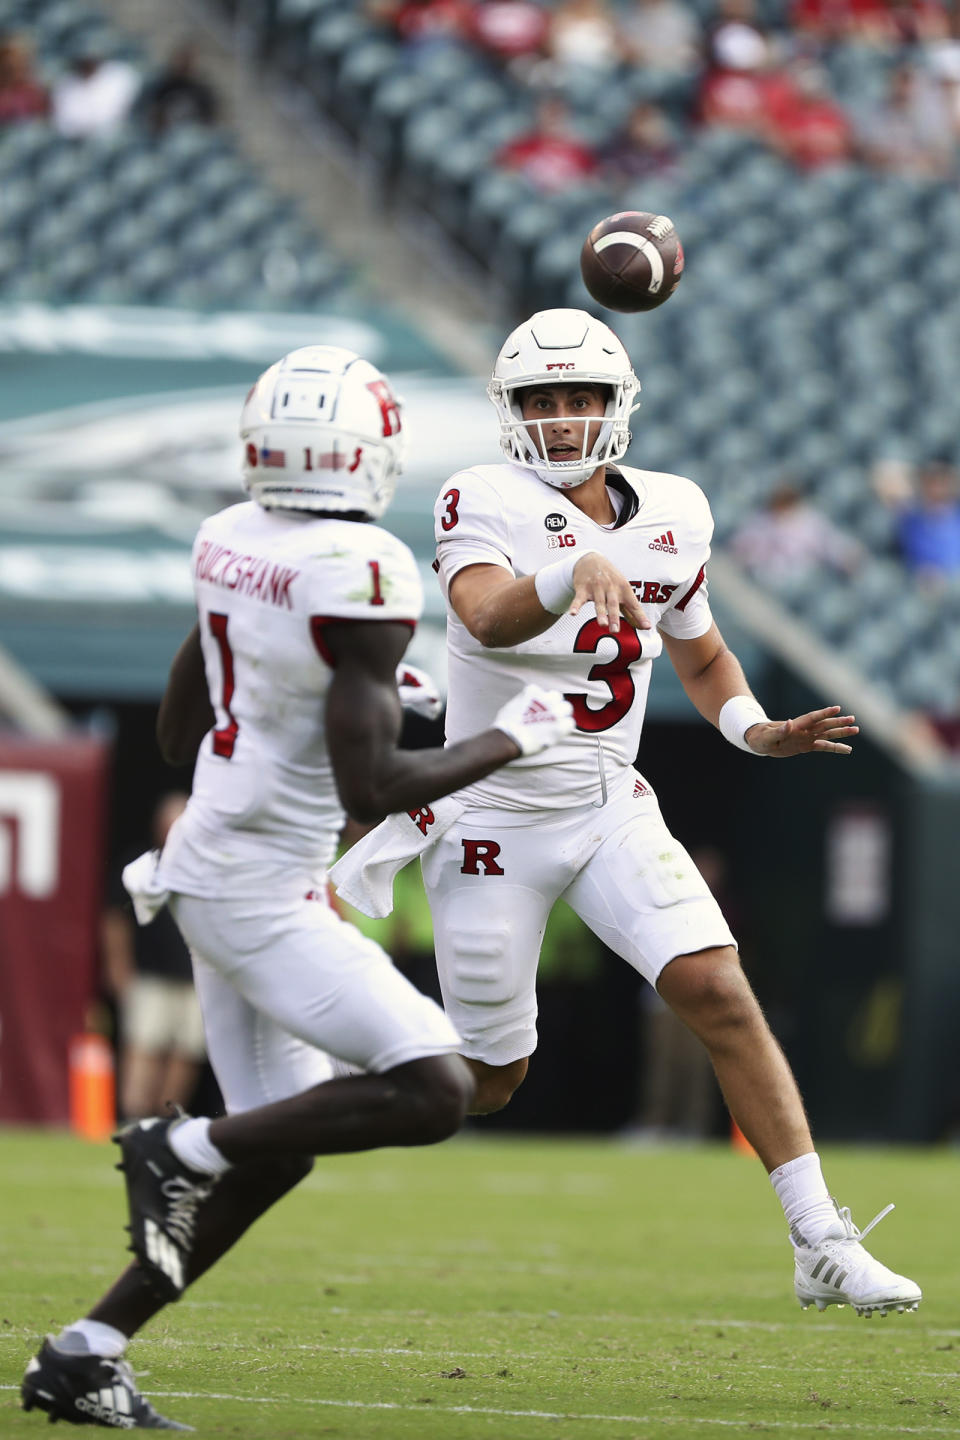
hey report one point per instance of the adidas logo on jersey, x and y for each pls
(665, 543)
(640, 789)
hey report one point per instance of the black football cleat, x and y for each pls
(86, 1389)
(163, 1196)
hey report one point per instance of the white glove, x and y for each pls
(418, 692)
(535, 718)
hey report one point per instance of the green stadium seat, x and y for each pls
(149, 271)
(24, 146)
(170, 206)
(364, 66)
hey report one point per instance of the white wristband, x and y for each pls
(554, 583)
(735, 718)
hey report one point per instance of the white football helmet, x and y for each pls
(558, 347)
(322, 431)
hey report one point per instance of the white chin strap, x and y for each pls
(563, 479)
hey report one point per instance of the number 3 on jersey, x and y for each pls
(615, 673)
(225, 736)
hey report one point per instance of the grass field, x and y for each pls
(510, 1289)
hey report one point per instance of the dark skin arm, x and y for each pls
(185, 713)
(364, 717)
(363, 720)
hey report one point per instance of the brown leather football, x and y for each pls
(632, 261)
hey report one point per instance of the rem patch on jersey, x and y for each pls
(246, 574)
(555, 521)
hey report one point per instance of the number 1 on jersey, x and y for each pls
(377, 597)
(225, 737)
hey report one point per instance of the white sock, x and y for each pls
(100, 1339)
(805, 1198)
(190, 1142)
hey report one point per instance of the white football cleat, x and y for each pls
(839, 1271)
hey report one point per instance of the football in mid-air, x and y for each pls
(632, 261)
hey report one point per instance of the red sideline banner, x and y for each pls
(52, 843)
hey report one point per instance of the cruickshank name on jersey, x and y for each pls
(246, 574)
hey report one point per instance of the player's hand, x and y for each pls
(535, 719)
(821, 732)
(418, 692)
(596, 579)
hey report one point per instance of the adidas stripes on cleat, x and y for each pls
(86, 1389)
(839, 1271)
(163, 1196)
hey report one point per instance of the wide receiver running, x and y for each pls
(564, 566)
(289, 680)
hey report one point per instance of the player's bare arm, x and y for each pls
(185, 713)
(363, 719)
(711, 675)
(500, 610)
(819, 732)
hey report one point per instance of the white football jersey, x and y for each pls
(266, 582)
(503, 515)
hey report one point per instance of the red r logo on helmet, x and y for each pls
(389, 409)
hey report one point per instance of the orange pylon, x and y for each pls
(738, 1140)
(93, 1102)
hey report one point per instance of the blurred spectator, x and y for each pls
(725, 40)
(910, 132)
(742, 89)
(513, 32)
(423, 24)
(95, 97)
(661, 35)
(830, 22)
(177, 95)
(643, 147)
(893, 482)
(919, 21)
(943, 66)
(884, 24)
(550, 156)
(148, 971)
(790, 537)
(811, 129)
(928, 526)
(22, 97)
(583, 35)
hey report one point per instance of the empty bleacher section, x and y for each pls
(129, 216)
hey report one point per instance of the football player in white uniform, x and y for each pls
(289, 686)
(564, 566)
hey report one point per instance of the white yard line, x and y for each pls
(506, 1353)
(503, 1414)
(362, 1317)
